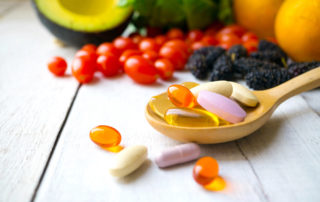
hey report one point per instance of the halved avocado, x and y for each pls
(80, 22)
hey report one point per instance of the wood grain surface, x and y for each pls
(46, 154)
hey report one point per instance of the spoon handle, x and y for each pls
(299, 84)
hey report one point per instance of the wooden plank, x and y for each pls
(33, 102)
(285, 153)
(79, 169)
(312, 98)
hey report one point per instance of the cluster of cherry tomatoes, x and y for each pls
(144, 59)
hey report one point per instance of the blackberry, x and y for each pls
(236, 52)
(266, 78)
(271, 56)
(243, 66)
(297, 68)
(265, 45)
(200, 62)
(222, 69)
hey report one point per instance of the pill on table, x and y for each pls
(189, 84)
(105, 136)
(222, 106)
(128, 160)
(243, 95)
(220, 87)
(190, 117)
(181, 96)
(178, 154)
(205, 170)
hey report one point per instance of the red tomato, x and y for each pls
(226, 45)
(272, 39)
(175, 34)
(197, 45)
(165, 68)
(233, 29)
(89, 47)
(153, 31)
(123, 43)
(229, 38)
(178, 44)
(177, 56)
(105, 48)
(128, 53)
(57, 66)
(249, 36)
(195, 35)
(148, 44)
(251, 46)
(83, 69)
(210, 40)
(108, 64)
(136, 38)
(140, 70)
(161, 39)
(150, 55)
(210, 32)
(91, 56)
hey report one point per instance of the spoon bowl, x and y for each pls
(256, 117)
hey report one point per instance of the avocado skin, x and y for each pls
(77, 38)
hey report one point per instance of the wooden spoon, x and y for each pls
(256, 117)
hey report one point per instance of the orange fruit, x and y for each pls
(297, 29)
(257, 15)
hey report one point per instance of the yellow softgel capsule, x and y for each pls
(191, 117)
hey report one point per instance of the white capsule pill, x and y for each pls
(128, 160)
(178, 154)
(243, 95)
(221, 87)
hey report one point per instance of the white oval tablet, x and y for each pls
(128, 160)
(221, 87)
(243, 95)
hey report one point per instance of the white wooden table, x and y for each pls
(46, 153)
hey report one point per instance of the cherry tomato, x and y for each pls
(153, 31)
(229, 38)
(161, 39)
(128, 53)
(83, 69)
(136, 38)
(57, 66)
(89, 47)
(226, 45)
(234, 29)
(91, 56)
(165, 68)
(108, 64)
(140, 70)
(177, 56)
(249, 36)
(150, 55)
(179, 44)
(123, 43)
(148, 44)
(272, 39)
(195, 35)
(251, 46)
(210, 40)
(175, 34)
(197, 45)
(107, 48)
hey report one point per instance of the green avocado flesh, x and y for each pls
(84, 15)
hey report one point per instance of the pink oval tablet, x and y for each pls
(222, 106)
(178, 154)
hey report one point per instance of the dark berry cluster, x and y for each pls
(263, 69)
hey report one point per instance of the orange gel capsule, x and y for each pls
(205, 170)
(105, 136)
(181, 96)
